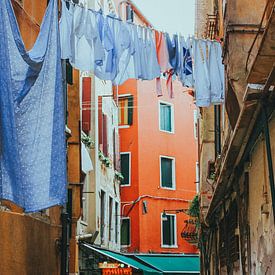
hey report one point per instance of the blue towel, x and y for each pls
(32, 136)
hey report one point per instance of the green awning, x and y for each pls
(125, 260)
(172, 264)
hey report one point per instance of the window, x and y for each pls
(169, 230)
(110, 217)
(102, 215)
(166, 117)
(196, 124)
(125, 105)
(167, 171)
(116, 222)
(125, 163)
(125, 232)
(86, 104)
(102, 129)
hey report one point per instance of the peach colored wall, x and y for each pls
(146, 143)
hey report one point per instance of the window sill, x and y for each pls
(169, 246)
(125, 246)
(168, 188)
(125, 185)
(123, 126)
(167, 132)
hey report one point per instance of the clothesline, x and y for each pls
(116, 51)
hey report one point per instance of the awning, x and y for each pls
(172, 264)
(124, 259)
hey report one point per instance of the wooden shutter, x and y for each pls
(105, 135)
(100, 123)
(130, 109)
(86, 104)
(116, 154)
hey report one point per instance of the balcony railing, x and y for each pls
(211, 30)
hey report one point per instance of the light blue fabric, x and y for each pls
(151, 56)
(216, 73)
(185, 67)
(208, 72)
(65, 26)
(201, 73)
(32, 130)
(107, 28)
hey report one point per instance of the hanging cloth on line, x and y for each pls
(32, 129)
(208, 72)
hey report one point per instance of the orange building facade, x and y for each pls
(158, 162)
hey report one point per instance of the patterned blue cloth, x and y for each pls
(32, 137)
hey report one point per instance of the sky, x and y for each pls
(172, 16)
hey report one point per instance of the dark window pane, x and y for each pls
(166, 172)
(168, 231)
(125, 168)
(165, 117)
(125, 232)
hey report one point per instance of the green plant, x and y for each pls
(105, 160)
(87, 140)
(119, 176)
(194, 210)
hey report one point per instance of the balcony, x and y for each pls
(261, 57)
(211, 29)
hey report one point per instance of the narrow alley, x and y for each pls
(137, 137)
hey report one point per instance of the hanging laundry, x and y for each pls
(173, 51)
(65, 26)
(117, 51)
(108, 70)
(185, 70)
(32, 128)
(208, 73)
(216, 73)
(127, 60)
(125, 49)
(88, 50)
(151, 55)
(163, 58)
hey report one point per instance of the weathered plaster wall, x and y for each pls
(260, 209)
(28, 245)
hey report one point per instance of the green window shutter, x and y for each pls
(167, 172)
(130, 109)
(69, 73)
(125, 168)
(125, 232)
(165, 117)
(168, 231)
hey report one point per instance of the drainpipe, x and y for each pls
(64, 244)
(269, 158)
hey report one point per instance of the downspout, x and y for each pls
(269, 158)
(64, 244)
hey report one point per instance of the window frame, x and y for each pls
(125, 218)
(175, 231)
(119, 97)
(173, 172)
(172, 116)
(130, 168)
